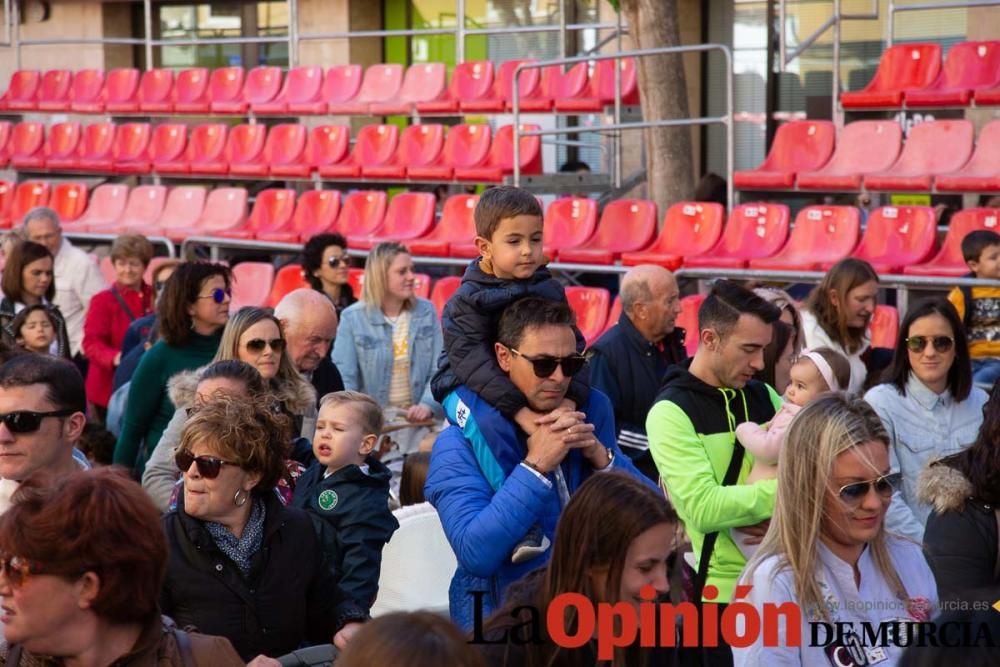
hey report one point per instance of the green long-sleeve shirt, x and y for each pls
(149, 407)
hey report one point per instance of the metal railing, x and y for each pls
(109, 238)
(924, 6)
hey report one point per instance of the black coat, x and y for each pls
(290, 596)
(469, 323)
(326, 378)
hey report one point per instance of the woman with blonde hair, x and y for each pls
(827, 549)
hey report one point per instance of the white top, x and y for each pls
(78, 279)
(872, 602)
(817, 337)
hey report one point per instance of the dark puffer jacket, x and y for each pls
(9, 336)
(470, 321)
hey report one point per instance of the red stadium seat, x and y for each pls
(96, 148)
(167, 146)
(442, 291)
(22, 92)
(121, 90)
(982, 172)
(131, 149)
(753, 230)
(225, 208)
(471, 81)
(420, 145)
(864, 147)
(970, 66)
(27, 196)
(375, 145)
(289, 279)
(558, 85)
(272, 212)
(62, 140)
(251, 284)
(798, 146)
(182, 210)
(143, 210)
(303, 85)
(225, 90)
(949, 261)
(26, 142)
(688, 320)
(191, 91)
(987, 96)
(500, 95)
(60, 148)
(421, 285)
(285, 145)
(107, 203)
(456, 223)
(315, 212)
(591, 306)
(53, 91)
(207, 149)
(614, 315)
(897, 237)
(569, 222)
(326, 145)
(380, 84)
(922, 156)
(6, 129)
(245, 150)
(466, 146)
(6, 203)
(356, 280)
(156, 91)
(903, 67)
(342, 84)
(884, 326)
(69, 200)
(500, 161)
(821, 234)
(601, 92)
(689, 229)
(410, 215)
(85, 93)
(261, 87)
(627, 225)
(361, 213)
(423, 82)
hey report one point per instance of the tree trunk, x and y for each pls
(662, 86)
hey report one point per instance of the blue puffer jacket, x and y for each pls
(483, 527)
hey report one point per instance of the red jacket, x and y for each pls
(103, 331)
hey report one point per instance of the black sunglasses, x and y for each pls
(218, 295)
(853, 494)
(941, 344)
(545, 366)
(209, 467)
(26, 421)
(257, 345)
(334, 262)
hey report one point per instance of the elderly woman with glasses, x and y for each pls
(927, 403)
(242, 565)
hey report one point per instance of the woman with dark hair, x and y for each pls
(961, 534)
(927, 403)
(615, 537)
(325, 266)
(28, 280)
(779, 356)
(839, 311)
(82, 558)
(410, 639)
(192, 312)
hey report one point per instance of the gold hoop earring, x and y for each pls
(241, 501)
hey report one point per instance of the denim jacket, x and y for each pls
(363, 352)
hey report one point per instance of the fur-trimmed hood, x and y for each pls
(182, 387)
(944, 488)
(298, 397)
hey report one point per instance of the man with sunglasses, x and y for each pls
(494, 486)
(309, 322)
(42, 405)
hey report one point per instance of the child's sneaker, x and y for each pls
(534, 544)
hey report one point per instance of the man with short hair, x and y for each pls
(309, 321)
(629, 361)
(693, 441)
(487, 511)
(77, 276)
(42, 406)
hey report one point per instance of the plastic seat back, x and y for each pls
(471, 80)
(342, 83)
(802, 145)
(375, 145)
(625, 225)
(86, 88)
(898, 235)
(303, 84)
(753, 230)
(226, 84)
(902, 67)
(502, 150)
(225, 208)
(423, 82)
(327, 144)
(26, 139)
(6, 129)
(131, 142)
(23, 89)
(6, 203)
(272, 210)
(602, 81)
(315, 212)
(69, 200)
(251, 284)
(28, 195)
(53, 91)
(884, 326)
(591, 305)
(168, 142)
(923, 154)
(529, 83)
(962, 223)
(208, 143)
(688, 320)
(191, 86)
(63, 140)
(121, 86)
(245, 143)
(97, 141)
(467, 145)
(442, 291)
(107, 203)
(863, 147)
(420, 145)
(971, 65)
(183, 207)
(156, 86)
(362, 212)
(381, 83)
(821, 234)
(690, 228)
(562, 85)
(144, 207)
(262, 84)
(569, 222)
(285, 144)
(409, 216)
(288, 279)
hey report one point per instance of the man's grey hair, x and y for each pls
(635, 291)
(41, 213)
(301, 300)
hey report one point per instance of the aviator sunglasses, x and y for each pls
(257, 345)
(545, 366)
(209, 467)
(941, 344)
(853, 494)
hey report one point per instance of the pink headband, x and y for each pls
(824, 369)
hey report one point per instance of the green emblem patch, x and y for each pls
(328, 500)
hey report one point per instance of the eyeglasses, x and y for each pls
(334, 262)
(26, 421)
(218, 295)
(209, 467)
(853, 494)
(18, 570)
(941, 344)
(257, 345)
(545, 366)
